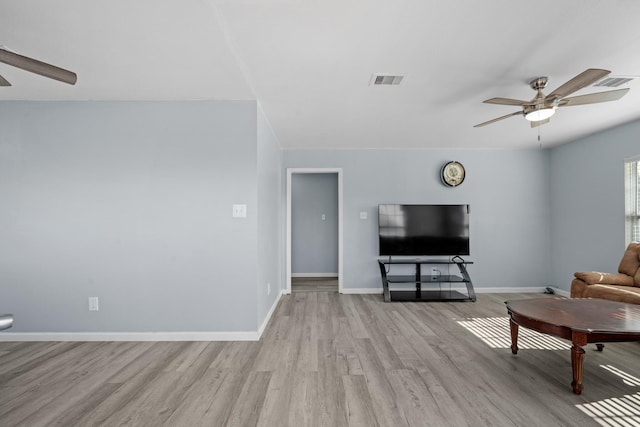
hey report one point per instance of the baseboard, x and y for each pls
(270, 313)
(361, 291)
(511, 290)
(527, 290)
(314, 275)
(493, 290)
(129, 336)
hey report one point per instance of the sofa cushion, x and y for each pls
(630, 295)
(593, 277)
(631, 261)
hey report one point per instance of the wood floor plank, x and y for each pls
(303, 409)
(278, 398)
(449, 410)
(39, 407)
(248, 405)
(210, 401)
(356, 325)
(405, 352)
(164, 393)
(331, 394)
(413, 397)
(359, 404)
(117, 407)
(385, 402)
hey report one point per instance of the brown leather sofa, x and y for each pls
(623, 286)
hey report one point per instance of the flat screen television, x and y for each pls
(417, 230)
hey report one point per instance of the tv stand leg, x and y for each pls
(385, 283)
(467, 280)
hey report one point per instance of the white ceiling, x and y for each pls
(309, 62)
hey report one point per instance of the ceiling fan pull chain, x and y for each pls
(540, 143)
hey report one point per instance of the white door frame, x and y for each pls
(290, 172)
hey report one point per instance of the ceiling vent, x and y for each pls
(613, 81)
(386, 79)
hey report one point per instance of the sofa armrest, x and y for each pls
(595, 277)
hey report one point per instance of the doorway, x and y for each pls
(289, 241)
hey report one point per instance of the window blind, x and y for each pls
(632, 199)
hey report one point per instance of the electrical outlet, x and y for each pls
(435, 273)
(268, 288)
(93, 304)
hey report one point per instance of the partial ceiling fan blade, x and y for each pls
(4, 82)
(539, 123)
(583, 79)
(507, 101)
(517, 113)
(38, 67)
(594, 98)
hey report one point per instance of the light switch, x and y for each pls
(239, 211)
(363, 215)
(324, 217)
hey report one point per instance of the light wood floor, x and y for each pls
(314, 284)
(325, 360)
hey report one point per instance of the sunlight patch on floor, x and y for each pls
(495, 332)
(617, 411)
(628, 379)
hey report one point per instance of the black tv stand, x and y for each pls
(425, 295)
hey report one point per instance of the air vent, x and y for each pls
(613, 81)
(386, 79)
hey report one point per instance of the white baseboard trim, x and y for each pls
(511, 290)
(527, 290)
(361, 290)
(129, 336)
(492, 290)
(270, 313)
(314, 275)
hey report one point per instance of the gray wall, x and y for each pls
(314, 241)
(507, 189)
(587, 202)
(130, 202)
(270, 218)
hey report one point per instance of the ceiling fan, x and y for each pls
(35, 66)
(539, 110)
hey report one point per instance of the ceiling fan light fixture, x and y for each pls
(540, 114)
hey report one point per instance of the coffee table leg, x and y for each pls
(577, 360)
(513, 326)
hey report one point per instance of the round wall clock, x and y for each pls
(453, 174)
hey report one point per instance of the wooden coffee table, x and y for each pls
(581, 321)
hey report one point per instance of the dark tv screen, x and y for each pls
(416, 230)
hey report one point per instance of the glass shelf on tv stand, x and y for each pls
(418, 294)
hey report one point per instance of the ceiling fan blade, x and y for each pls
(517, 113)
(507, 101)
(4, 82)
(593, 98)
(539, 123)
(583, 79)
(38, 67)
